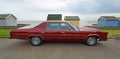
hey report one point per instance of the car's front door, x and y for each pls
(68, 33)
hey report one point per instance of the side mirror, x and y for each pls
(76, 26)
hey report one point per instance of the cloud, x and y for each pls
(38, 9)
(83, 7)
(24, 9)
(108, 6)
(94, 6)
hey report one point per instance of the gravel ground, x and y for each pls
(19, 49)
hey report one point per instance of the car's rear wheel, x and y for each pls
(91, 41)
(35, 41)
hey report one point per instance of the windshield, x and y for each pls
(74, 26)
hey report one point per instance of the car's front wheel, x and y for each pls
(36, 41)
(91, 41)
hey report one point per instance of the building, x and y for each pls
(8, 20)
(119, 20)
(73, 19)
(108, 21)
(54, 17)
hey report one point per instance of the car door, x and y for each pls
(65, 31)
(51, 32)
(68, 33)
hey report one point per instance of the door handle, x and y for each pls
(42, 32)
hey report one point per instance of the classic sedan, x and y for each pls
(58, 31)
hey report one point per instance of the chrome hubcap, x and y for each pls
(91, 40)
(35, 40)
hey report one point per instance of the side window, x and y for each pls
(64, 26)
(52, 26)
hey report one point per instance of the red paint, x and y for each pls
(57, 35)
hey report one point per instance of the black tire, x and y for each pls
(36, 41)
(91, 41)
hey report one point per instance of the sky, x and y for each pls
(38, 10)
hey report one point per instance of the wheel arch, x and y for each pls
(30, 36)
(93, 35)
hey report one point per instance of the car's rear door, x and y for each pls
(51, 32)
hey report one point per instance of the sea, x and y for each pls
(82, 22)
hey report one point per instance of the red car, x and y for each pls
(58, 31)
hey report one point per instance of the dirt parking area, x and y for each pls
(19, 49)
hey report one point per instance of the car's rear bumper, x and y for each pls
(104, 36)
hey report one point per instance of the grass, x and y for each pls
(112, 32)
(4, 32)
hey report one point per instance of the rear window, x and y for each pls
(52, 26)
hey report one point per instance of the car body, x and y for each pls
(58, 31)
